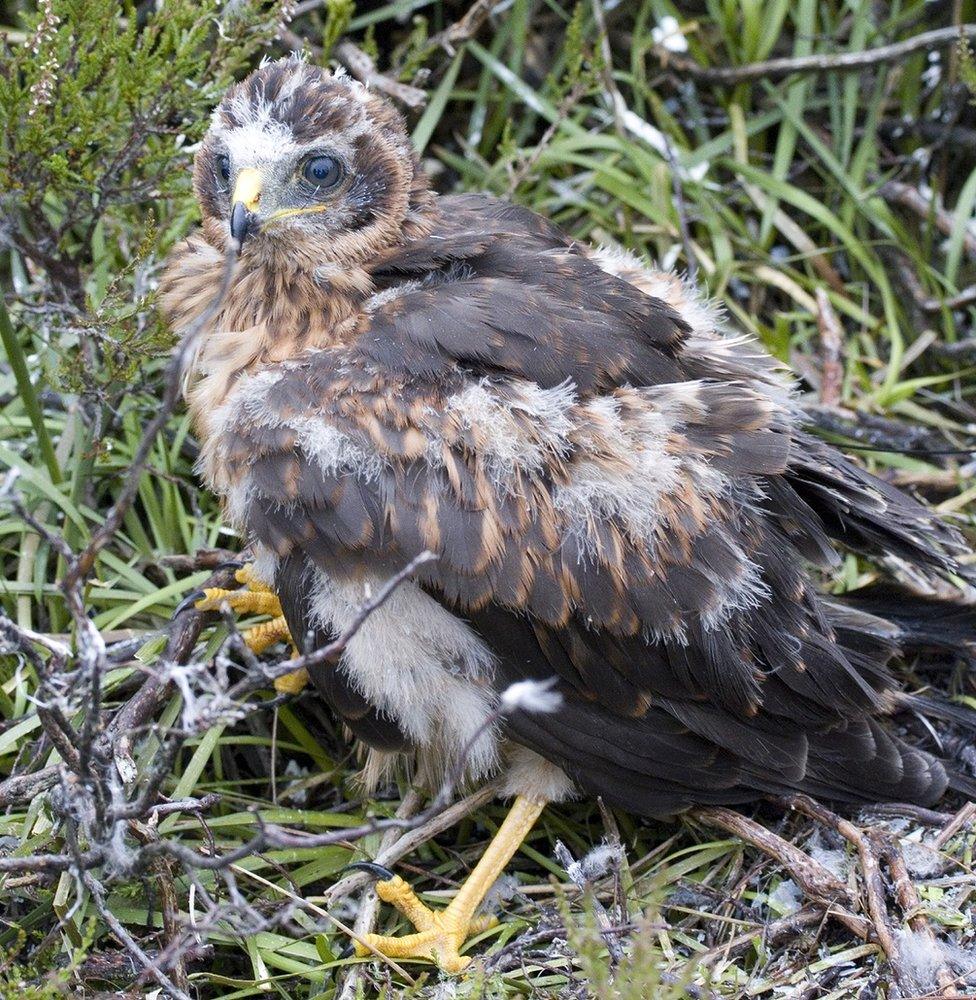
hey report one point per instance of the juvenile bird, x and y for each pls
(620, 493)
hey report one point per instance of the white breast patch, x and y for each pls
(420, 665)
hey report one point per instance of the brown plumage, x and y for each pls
(619, 493)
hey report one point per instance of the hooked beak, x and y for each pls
(247, 195)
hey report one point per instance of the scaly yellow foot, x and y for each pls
(257, 599)
(261, 637)
(441, 934)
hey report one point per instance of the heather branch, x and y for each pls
(840, 62)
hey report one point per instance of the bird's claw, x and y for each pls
(371, 868)
(234, 564)
(257, 598)
(440, 933)
(188, 602)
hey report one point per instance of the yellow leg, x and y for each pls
(440, 934)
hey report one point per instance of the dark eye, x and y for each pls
(323, 171)
(223, 167)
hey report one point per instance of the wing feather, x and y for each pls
(610, 498)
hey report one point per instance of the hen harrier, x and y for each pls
(620, 494)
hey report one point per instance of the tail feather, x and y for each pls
(939, 708)
(869, 515)
(921, 623)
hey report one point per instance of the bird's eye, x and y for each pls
(323, 171)
(223, 167)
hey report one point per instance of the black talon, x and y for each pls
(189, 601)
(347, 950)
(231, 564)
(380, 873)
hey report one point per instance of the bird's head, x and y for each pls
(301, 159)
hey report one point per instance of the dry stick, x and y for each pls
(816, 881)
(464, 28)
(24, 787)
(831, 341)
(911, 198)
(813, 878)
(909, 899)
(362, 67)
(962, 818)
(210, 559)
(53, 863)
(173, 954)
(840, 62)
(128, 942)
(770, 933)
(190, 805)
(870, 869)
(927, 817)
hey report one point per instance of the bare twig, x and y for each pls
(874, 888)
(928, 817)
(464, 28)
(965, 816)
(150, 967)
(208, 559)
(24, 787)
(831, 343)
(362, 67)
(839, 62)
(915, 201)
(814, 879)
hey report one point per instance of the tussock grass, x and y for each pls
(768, 191)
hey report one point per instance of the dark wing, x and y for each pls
(503, 292)
(612, 500)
